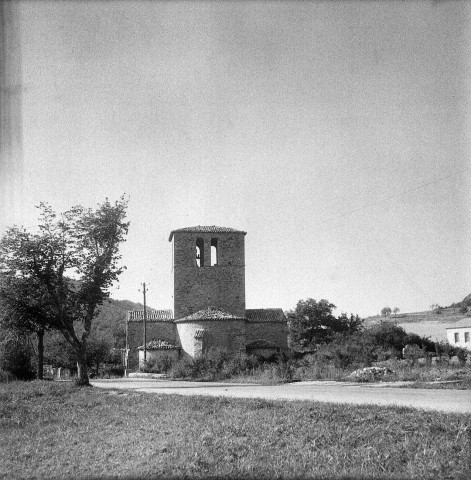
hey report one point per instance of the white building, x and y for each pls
(459, 335)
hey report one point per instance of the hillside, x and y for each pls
(111, 320)
(427, 324)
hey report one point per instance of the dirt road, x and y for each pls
(458, 401)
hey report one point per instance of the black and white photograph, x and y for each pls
(235, 239)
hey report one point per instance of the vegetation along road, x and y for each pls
(458, 401)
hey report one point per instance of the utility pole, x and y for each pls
(145, 323)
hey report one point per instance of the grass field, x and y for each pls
(58, 431)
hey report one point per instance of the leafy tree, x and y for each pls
(353, 350)
(80, 243)
(25, 309)
(346, 324)
(17, 356)
(396, 310)
(436, 308)
(98, 351)
(58, 352)
(387, 335)
(386, 311)
(312, 322)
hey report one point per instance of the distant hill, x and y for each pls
(111, 320)
(427, 324)
(466, 300)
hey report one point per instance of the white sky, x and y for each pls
(291, 120)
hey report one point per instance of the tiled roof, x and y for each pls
(261, 344)
(205, 229)
(265, 315)
(158, 345)
(210, 313)
(151, 314)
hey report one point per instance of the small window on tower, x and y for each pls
(214, 251)
(200, 252)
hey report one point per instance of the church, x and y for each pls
(209, 303)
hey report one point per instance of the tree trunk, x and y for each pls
(82, 371)
(40, 335)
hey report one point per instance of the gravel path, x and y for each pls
(458, 401)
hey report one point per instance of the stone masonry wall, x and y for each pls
(273, 332)
(155, 331)
(225, 334)
(221, 286)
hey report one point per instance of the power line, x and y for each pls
(320, 225)
(403, 192)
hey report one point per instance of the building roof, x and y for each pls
(265, 315)
(158, 345)
(465, 323)
(205, 229)
(210, 313)
(151, 315)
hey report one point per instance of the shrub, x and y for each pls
(310, 368)
(112, 371)
(285, 370)
(6, 376)
(387, 334)
(214, 364)
(240, 363)
(344, 351)
(161, 364)
(17, 360)
(182, 369)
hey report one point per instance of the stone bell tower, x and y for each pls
(209, 270)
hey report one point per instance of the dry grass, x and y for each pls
(401, 371)
(58, 431)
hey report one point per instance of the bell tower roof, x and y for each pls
(205, 229)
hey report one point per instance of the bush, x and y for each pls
(311, 369)
(361, 349)
(17, 360)
(112, 371)
(161, 364)
(348, 351)
(240, 363)
(6, 377)
(182, 369)
(215, 364)
(388, 335)
(285, 370)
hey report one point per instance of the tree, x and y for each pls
(386, 311)
(396, 310)
(350, 324)
(17, 355)
(24, 307)
(312, 322)
(72, 261)
(436, 308)
(98, 350)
